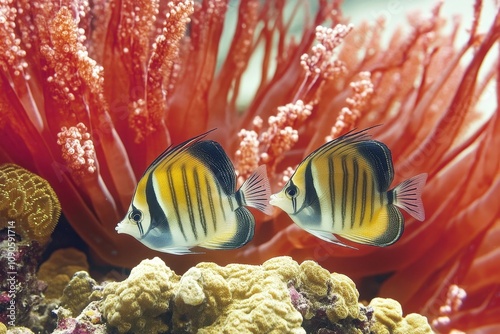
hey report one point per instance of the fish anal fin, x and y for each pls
(329, 237)
(234, 236)
(408, 196)
(179, 250)
(385, 229)
(256, 191)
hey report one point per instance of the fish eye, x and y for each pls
(135, 215)
(292, 191)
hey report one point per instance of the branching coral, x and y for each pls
(28, 202)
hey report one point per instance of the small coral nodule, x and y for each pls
(29, 201)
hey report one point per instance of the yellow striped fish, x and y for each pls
(187, 197)
(343, 188)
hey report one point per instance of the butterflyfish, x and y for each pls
(187, 197)
(342, 188)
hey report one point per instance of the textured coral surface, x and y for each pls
(279, 296)
(59, 269)
(29, 201)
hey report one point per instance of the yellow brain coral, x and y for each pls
(29, 201)
(389, 319)
(137, 304)
(279, 296)
(237, 298)
(319, 284)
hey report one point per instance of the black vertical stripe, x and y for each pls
(188, 201)
(211, 203)
(381, 196)
(332, 189)
(219, 192)
(372, 200)
(345, 188)
(311, 200)
(230, 200)
(354, 190)
(363, 198)
(201, 211)
(139, 223)
(175, 204)
(158, 218)
(240, 197)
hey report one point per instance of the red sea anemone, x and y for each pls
(93, 91)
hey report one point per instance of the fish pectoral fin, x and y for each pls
(179, 250)
(327, 236)
(383, 230)
(233, 236)
(256, 191)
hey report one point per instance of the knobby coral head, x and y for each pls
(92, 93)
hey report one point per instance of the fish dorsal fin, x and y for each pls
(350, 137)
(379, 158)
(212, 155)
(172, 151)
(335, 148)
(358, 145)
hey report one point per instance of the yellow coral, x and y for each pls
(136, 304)
(3, 328)
(58, 270)
(29, 201)
(237, 298)
(319, 283)
(279, 296)
(388, 316)
(76, 294)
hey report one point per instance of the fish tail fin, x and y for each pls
(408, 196)
(256, 191)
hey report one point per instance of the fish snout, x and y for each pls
(119, 227)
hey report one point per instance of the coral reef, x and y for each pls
(28, 202)
(89, 321)
(19, 330)
(388, 316)
(20, 290)
(58, 270)
(279, 296)
(252, 299)
(76, 294)
(139, 303)
(29, 211)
